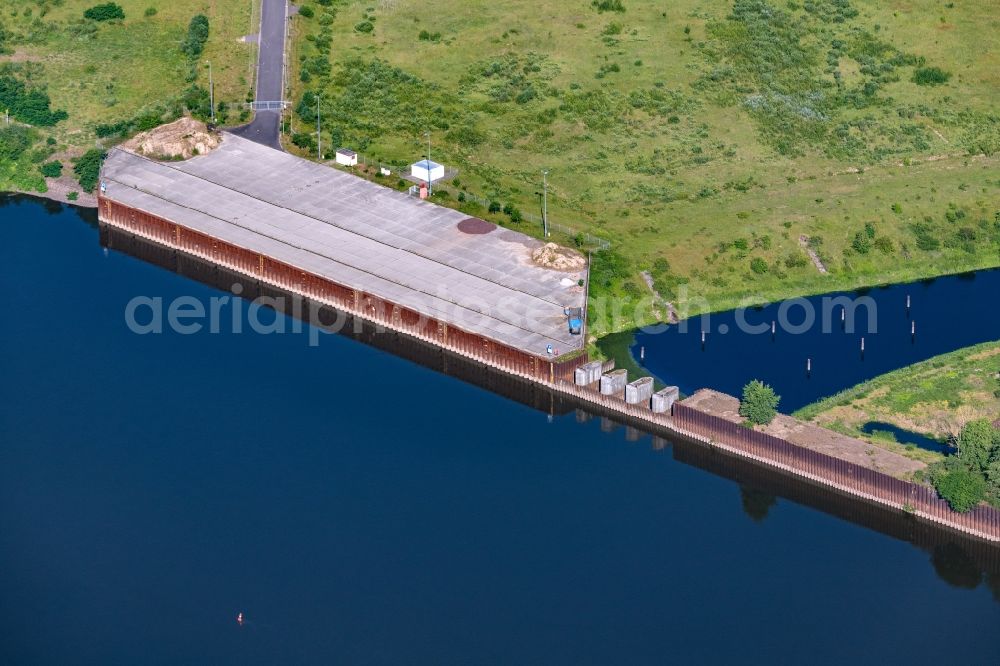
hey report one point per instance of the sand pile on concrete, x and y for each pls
(180, 140)
(559, 258)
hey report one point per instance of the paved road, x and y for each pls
(270, 65)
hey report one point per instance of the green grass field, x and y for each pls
(104, 72)
(935, 397)
(702, 138)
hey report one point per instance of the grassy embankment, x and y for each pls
(124, 75)
(935, 397)
(703, 139)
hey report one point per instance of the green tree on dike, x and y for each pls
(973, 474)
(979, 445)
(962, 488)
(760, 403)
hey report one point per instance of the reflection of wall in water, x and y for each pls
(953, 555)
(294, 305)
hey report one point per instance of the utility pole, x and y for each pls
(545, 202)
(211, 91)
(429, 185)
(319, 133)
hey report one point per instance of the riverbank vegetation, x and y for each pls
(78, 76)
(972, 475)
(759, 405)
(724, 148)
(936, 398)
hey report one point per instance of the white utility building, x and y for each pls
(347, 157)
(426, 170)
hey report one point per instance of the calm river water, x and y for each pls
(360, 508)
(946, 313)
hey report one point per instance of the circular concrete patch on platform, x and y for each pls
(473, 225)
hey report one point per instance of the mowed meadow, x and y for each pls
(720, 147)
(115, 76)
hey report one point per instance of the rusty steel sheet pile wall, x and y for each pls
(368, 306)
(983, 520)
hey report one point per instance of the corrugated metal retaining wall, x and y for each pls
(367, 306)
(982, 520)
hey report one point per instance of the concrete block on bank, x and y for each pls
(588, 373)
(614, 382)
(639, 391)
(664, 399)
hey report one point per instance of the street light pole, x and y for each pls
(429, 182)
(211, 91)
(545, 202)
(319, 133)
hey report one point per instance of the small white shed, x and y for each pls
(347, 157)
(427, 171)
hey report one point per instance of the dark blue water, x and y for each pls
(359, 508)
(904, 436)
(949, 313)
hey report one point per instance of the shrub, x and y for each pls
(198, 102)
(525, 95)
(760, 403)
(29, 105)
(197, 35)
(304, 140)
(105, 12)
(465, 135)
(494, 207)
(51, 169)
(884, 245)
(758, 266)
(73, 196)
(608, 5)
(364, 27)
(862, 243)
(150, 11)
(515, 215)
(306, 12)
(87, 168)
(607, 268)
(962, 489)
(796, 260)
(926, 240)
(930, 76)
(14, 140)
